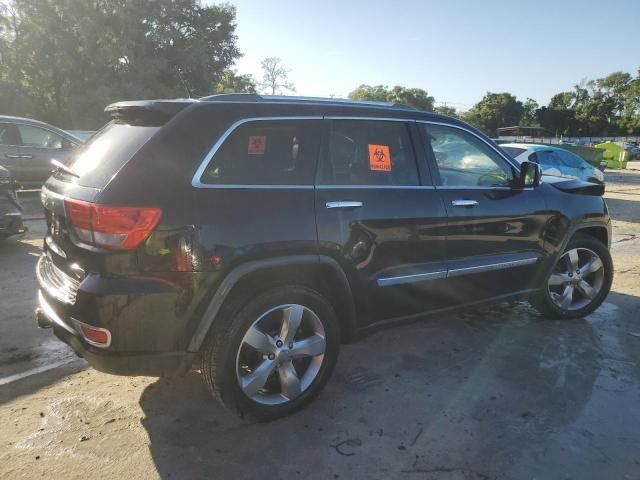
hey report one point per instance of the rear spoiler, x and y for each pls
(147, 112)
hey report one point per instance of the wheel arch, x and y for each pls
(319, 272)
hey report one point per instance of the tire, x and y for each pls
(562, 282)
(227, 357)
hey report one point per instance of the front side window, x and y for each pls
(368, 152)
(465, 161)
(39, 137)
(266, 152)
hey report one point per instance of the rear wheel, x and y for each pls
(272, 355)
(579, 281)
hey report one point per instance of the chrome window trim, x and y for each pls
(455, 272)
(196, 180)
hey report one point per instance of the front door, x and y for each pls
(379, 215)
(494, 242)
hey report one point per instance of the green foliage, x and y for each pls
(415, 97)
(447, 110)
(64, 60)
(231, 82)
(495, 110)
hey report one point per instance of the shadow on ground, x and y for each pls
(493, 393)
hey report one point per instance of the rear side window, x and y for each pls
(9, 134)
(98, 160)
(267, 152)
(368, 152)
(39, 137)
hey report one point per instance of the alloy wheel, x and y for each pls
(281, 354)
(576, 279)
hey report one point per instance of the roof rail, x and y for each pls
(254, 97)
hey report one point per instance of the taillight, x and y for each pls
(118, 228)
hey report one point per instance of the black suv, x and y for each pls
(250, 236)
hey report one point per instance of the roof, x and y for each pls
(253, 97)
(30, 121)
(522, 127)
(533, 146)
(161, 110)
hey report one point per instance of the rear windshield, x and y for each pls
(105, 153)
(514, 151)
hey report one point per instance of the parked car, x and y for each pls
(555, 161)
(251, 236)
(27, 148)
(10, 209)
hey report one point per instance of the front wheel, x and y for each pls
(579, 281)
(272, 355)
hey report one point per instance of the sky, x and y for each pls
(455, 50)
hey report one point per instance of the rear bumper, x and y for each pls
(153, 364)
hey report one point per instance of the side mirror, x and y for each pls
(530, 175)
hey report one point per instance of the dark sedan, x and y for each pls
(27, 148)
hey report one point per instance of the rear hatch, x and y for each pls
(84, 236)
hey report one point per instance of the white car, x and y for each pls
(554, 161)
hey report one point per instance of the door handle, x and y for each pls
(12, 155)
(344, 204)
(18, 155)
(464, 203)
(26, 155)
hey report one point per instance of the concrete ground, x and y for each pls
(492, 393)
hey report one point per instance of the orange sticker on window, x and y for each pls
(257, 145)
(379, 158)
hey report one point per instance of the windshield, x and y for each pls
(514, 151)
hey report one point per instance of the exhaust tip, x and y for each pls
(42, 319)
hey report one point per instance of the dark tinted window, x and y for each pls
(274, 152)
(464, 160)
(106, 153)
(514, 151)
(9, 134)
(368, 152)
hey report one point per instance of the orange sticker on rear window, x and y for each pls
(257, 145)
(379, 158)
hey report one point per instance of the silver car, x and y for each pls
(27, 148)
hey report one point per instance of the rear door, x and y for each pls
(9, 154)
(39, 146)
(494, 239)
(379, 215)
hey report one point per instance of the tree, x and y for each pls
(495, 110)
(415, 97)
(630, 120)
(376, 93)
(529, 114)
(231, 82)
(447, 110)
(275, 76)
(70, 58)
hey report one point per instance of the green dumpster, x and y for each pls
(593, 156)
(614, 154)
